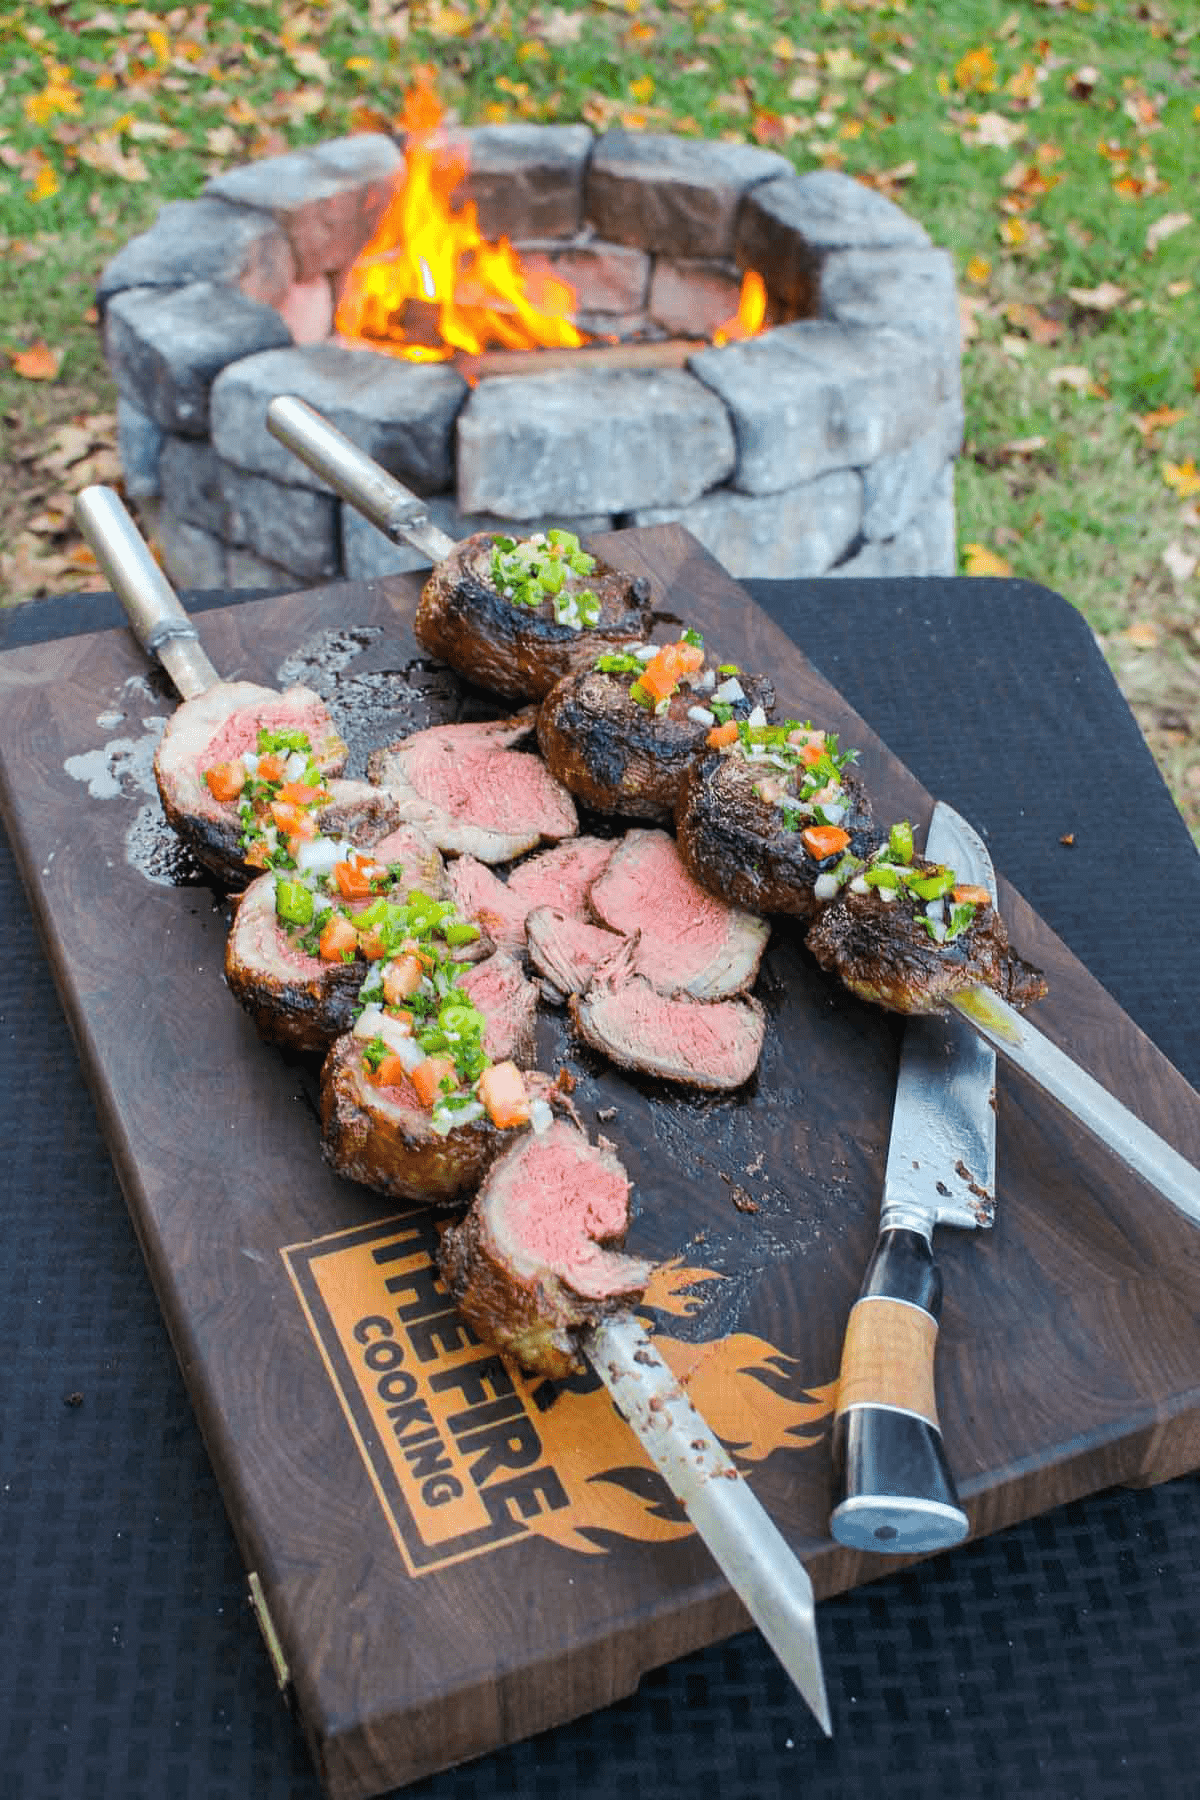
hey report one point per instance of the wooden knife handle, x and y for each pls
(893, 1488)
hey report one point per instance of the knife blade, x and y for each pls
(894, 1490)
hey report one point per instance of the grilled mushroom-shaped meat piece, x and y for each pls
(519, 650)
(624, 747)
(214, 731)
(535, 1262)
(910, 954)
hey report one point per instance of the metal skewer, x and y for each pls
(748, 1548)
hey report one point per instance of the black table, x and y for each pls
(1061, 1657)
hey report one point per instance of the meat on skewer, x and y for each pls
(472, 792)
(301, 941)
(906, 935)
(623, 733)
(515, 616)
(536, 1261)
(767, 812)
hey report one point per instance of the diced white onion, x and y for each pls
(788, 799)
(373, 983)
(540, 1115)
(825, 887)
(756, 752)
(634, 649)
(295, 765)
(700, 715)
(318, 855)
(706, 682)
(859, 885)
(367, 1023)
(646, 652)
(250, 761)
(936, 910)
(757, 719)
(445, 1119)
(834, 811)
(730, 691)
(887, 894)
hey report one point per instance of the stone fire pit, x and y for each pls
(823, 446)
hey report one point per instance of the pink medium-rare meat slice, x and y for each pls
(298, 1001)
(690, 942)
(216, 727)
(498, 987)
(712, 1044)
(415, 860)
(535, 1262)
(566, 951)
(562, 877)
(482, 896)
(472, 793)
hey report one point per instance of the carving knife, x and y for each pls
(894, 1491)
(747, 1546)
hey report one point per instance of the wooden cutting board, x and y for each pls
(448, 1558)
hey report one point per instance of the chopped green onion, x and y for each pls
(900, 842)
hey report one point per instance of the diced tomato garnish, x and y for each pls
(811, 753)
(299, 793)
(257, 854)
(428, 1077)
(351, 881)
(338, 936)
(293, 820)
(270, 767)
(690, 657)
(391, 1072)
(824, 840)
(401, 978)
(968, 894)
(503, 1092)
(720, 735)
(371, 945)
(225, 780)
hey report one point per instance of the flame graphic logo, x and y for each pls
(743, 1386)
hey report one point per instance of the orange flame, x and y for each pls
(752, 310)
(426, 257)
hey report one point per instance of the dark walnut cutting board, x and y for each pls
(448, 1558)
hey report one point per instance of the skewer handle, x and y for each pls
(159, 622)
(745, 1543)
(387, 503)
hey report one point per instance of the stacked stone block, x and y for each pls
(823, 446)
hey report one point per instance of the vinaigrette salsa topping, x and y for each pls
(547, 566)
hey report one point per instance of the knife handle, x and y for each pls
(893, 1488)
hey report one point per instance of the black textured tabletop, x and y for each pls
(1058, 1658)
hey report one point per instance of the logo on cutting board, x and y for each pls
(466, 1454)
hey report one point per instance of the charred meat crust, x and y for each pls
(883, 953)
(382, 1136)
(520, 651)
(619, 757)
(736, 845)
(510, 1291)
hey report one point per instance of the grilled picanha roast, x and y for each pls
(763, 817)
(237, 752)
(302, 941)
(472, 792)
(623, 733)
(905, 934)
(708, 1044)
(536, 1260)
(516, 616)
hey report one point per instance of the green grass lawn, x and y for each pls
(1053, 146)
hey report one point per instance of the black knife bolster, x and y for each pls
(879, 1451)
(902, 1268)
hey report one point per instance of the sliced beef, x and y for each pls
(536, 1262)
(618, 757)
(300, 1002)
(520, 651)
(216, 727)
(482, 896)
(382, 1136)
(498, 987)
(712, 1044)
(361, 812)
(415, 860)
(884, 953)
(566, 951)
(749, 850)
(474, 794)
(690, 941)
(562, 876)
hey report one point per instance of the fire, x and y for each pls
(428, 284)
(752, 310)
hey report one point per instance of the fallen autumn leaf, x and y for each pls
(979, 560)
(1164, 228)
(38, 363)
(1098, 299)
